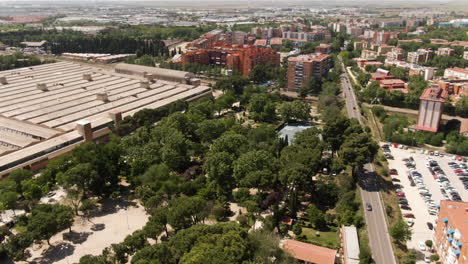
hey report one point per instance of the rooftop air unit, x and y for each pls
(42, 87)
(145, 84)
(3, 80)
(148, 76)
(102, 97)
(87, 77)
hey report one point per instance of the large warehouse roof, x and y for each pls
(158, 73)
(41, 105)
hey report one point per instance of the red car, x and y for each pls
(393, 172)
(457, 171)
(395, 145)
(408, 215)
(435, 177)
(400, 194)
(459, 158)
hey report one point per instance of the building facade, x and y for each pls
(303, 67)
(421, 55)
(456, 73)
(451, 234)
(431, 108)
(240, 58)
(445, 51)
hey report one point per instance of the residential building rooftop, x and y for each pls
(310, 253)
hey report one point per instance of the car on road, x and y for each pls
(408, 215)
(368, 207)
(422, 246)
(430, 226)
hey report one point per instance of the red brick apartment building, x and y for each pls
(431, 108)
(451, 236)
(240, 58)
(323, 48)
(302, 67)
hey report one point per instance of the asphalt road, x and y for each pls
(379, 239)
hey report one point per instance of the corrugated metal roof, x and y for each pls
(157, 72)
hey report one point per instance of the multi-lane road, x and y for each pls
(379, 239)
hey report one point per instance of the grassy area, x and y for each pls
(328, 239)
(373, 122)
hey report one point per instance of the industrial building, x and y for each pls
(49, 109)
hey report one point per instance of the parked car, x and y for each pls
(427, 259)
(408, 215)
(422, 245)
(405, 207)
(410, 222)
(400, 194)
(393, 172)
(395, 180)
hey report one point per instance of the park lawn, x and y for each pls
(328, 239)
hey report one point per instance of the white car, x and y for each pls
(422, 246)
(427, 259)
(410, 222)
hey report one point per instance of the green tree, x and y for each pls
(296, 110)
(219, 169)
(316, 217)
(262, 107)
(365, 255)
(310, 86)
(187, 211)
(47, 220)
(358, 149)
(410, 257)
(8, 201)
(461, 107)
(254, 170)
(297, 229)
(400, 231)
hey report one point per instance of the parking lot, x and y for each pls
(422, 181)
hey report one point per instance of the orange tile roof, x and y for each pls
(276, 41)
(457, 215)
(392, 81)
(310, 253)
(458, 69)
(310, 57)
(464, 127)
(260, 42)
(434, 94)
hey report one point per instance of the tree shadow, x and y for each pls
(6, 260)
(76, 237)
(55, 253)
(111, 206)
(368, 181)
